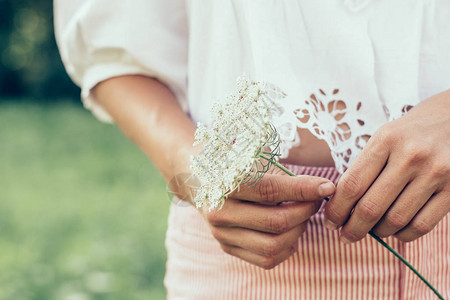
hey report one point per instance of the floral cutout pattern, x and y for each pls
(406, 108)
(395, 113)
(329, 118)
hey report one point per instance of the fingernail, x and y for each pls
(330, 225)
(326, 189)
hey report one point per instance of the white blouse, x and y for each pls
(347, 66)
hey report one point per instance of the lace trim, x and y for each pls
(330, 118)
(284, 121)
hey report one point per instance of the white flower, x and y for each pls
(232, 147)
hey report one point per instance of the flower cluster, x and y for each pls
(241, 132)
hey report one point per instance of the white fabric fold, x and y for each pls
(347, 66)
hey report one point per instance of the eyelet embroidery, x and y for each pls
(329, 118)
(329, 113)
(397, 113)
(283, 120)
(406, 109)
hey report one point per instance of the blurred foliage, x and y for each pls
(83, 212)
(29, 61)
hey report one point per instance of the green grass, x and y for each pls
(83, 212)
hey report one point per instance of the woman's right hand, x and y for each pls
(246, 227)
(262, 224)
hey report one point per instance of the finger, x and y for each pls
(375, 202)
(265, 262)
(271, 219)
(275, 189)
(405, 207)
(265, 244)
(355, 181)
(428, 217)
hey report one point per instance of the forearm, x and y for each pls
(148, 113)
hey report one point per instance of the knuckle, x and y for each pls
(299, 193)
(440, 170)
(380, 233)
(335, 215)
(415, 154)
(272, 248)
(351, 235)
(215, 218)
(378, 147)
(268, 263)
(350, 185)
(216, 233)
(396, 220)
(368, 211)
(302, 228)
(277, 222)
(421, 227)
(268, 190)
(387, 134)
(405, 238)
(315, 206)
(226, 249)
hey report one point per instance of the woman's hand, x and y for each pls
(256, 223)
(400, 183)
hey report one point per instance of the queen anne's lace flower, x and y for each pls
(241, 132)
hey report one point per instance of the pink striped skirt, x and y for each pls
(322, 268)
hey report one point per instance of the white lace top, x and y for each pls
(347, 66)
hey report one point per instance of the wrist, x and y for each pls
(180, 181)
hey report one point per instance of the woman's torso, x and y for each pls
(345, 72)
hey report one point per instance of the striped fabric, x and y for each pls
(322, 268)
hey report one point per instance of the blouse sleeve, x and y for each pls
(100, 39)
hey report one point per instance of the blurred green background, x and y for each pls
(83, 212)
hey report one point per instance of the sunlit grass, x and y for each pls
(82, 211)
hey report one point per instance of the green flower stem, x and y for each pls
(280, 166)
(406, 263)
(379, 240)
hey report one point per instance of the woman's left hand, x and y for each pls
(400, 183)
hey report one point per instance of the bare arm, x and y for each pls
(148, 113)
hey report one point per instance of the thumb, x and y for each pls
(276, 188)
